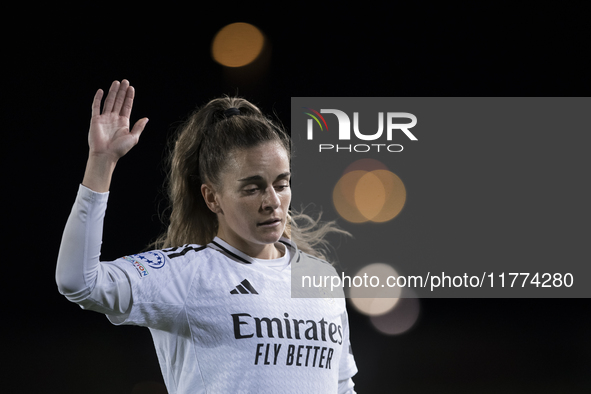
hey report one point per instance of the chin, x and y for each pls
(271, 238)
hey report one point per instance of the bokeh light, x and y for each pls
(237, 44)
(343, 197)
(370, 195)
(365, 165)
(372, 296)
(399, 319)
(395, 196)
(392, 310)
(368, 191)
(374, 306)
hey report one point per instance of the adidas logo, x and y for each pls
(244, 288)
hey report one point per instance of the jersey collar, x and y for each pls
(230, 251)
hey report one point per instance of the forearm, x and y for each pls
(80, 275)
(98, 173)
(79, 253)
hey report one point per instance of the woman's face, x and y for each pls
(253, 199)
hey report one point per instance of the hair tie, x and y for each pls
(231, 112)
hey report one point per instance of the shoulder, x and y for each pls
(306, 263)
(312, 277)
(301, 256)
(309, 259)
(165, 260)
(182, 251)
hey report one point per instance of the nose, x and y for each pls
(271, 199)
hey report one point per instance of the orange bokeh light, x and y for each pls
(363, 195)
(237, 44)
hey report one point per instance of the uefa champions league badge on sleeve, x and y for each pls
(153, 259)
(140, 261)
(140, 268)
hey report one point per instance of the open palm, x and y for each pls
(109, 130)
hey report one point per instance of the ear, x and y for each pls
(210, 197)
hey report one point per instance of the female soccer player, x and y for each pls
(215, 293)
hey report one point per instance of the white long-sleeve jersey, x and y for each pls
(221, 321)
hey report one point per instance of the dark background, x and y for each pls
(55, 59)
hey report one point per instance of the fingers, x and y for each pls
(120, 97)
(96, 103)
(110, 100)
(139, 126)
(128, 102)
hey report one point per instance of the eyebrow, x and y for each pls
(258, 177)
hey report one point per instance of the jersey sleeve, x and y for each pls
(142, 289)
(79, 272)
(159, 288)
(347, 366)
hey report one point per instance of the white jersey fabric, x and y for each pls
(221, 321)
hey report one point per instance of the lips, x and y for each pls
(270, 222)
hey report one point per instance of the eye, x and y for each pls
(251, 190)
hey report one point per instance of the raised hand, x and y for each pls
(109, 137)
(109, 130)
